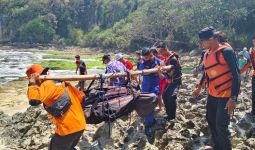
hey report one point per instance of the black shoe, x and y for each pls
(169, 118)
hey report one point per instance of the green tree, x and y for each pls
(35, 31)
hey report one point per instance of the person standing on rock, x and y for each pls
(81, 66)
(223, 79)
(174, 80)
(62, 101)
(150, 84)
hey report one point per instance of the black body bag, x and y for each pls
(108, 105)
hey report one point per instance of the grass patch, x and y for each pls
(59, 65)
(67, 65)
(68, 56)
(58, 57)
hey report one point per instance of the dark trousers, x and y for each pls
(218, 120)
(82, 83)
(67, 142)
(169, 97)
(253, 95)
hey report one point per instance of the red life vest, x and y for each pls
(218, 73)
(167, 62)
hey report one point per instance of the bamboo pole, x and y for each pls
(97, 76)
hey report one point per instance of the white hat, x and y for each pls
(245, 48)
(118, 56)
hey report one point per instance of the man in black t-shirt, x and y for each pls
(81, 66)
(174, 80)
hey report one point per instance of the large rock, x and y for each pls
(32, 129)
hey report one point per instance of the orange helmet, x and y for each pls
(35, 68)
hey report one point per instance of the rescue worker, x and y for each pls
(223, 79)
(252, 56)
(113, 66)
(81, 66)
(69, 120)
(125, 62)
(174, 80)
(150, 84)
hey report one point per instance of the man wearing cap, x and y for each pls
(81, 66)
(174, 80)
(70, 122)
(222, 75)
(113, 66)
(150, 84)
(125, 62)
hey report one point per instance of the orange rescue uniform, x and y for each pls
(49, 92)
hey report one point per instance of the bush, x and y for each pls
(76, 36)
(35, 31)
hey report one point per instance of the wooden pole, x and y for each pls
(97, 76)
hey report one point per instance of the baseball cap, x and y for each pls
(36, 68)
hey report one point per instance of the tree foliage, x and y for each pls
(125, 24)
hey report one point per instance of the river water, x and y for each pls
(13, 64)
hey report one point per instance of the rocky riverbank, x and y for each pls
(32, 130)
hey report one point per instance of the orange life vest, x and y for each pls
(218, 73)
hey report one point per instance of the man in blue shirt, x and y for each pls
(150, 84)
(151, 81)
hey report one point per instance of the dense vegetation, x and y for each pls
(124, 24)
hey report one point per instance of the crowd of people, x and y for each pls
(219, 65)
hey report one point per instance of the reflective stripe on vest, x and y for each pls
(218, 73)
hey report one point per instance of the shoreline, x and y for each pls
(13, 97)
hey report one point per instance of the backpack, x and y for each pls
(145, 103)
